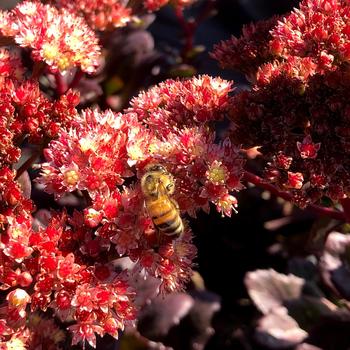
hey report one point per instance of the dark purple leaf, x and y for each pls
(41, 219)
(157, 318)
(25, 184)
(306, 346)
(334, 263)
(278, 330)
(270, 289)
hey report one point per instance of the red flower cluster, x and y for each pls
(161, 126)
(100, 14)
(81, 157)
(176, 113)
(56, 37)
(97, 302)
(318, 29)
(249, 51)
(297, 112)
(154, 5)
(65, 264)
(25, 111)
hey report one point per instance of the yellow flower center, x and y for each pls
(152, 148)
(71, 177)
(135, 152)
(217, 173)
(87, 144)
(50, 51)
(16, 232)
(63, 63)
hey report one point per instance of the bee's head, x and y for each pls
(149, 184)
(156, 180)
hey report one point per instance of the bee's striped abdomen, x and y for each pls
(157, 186)
(165, 216)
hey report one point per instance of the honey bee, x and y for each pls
(158, 185)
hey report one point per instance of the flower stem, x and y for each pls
(37, 70)
(29, 162)
(61, 87)
(77, 77)
(319, 210)
(188, 28)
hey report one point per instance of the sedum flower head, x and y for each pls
(104, 155)
(25, 111)
(99, 14)
(154, 5)
(318, 29)
(199, 99)
(57, 37)
(297, 111)
(176, 113)
(89, 156)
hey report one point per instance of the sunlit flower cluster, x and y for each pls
(95, 297)
(57, 37)
(176, 112)
(27, 113)
(318, 29)
(90, 155)
(93, 157)
(100, 156)
(181, 103)
(100, 14)
(102, 149)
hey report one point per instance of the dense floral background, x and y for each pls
(245, 103)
